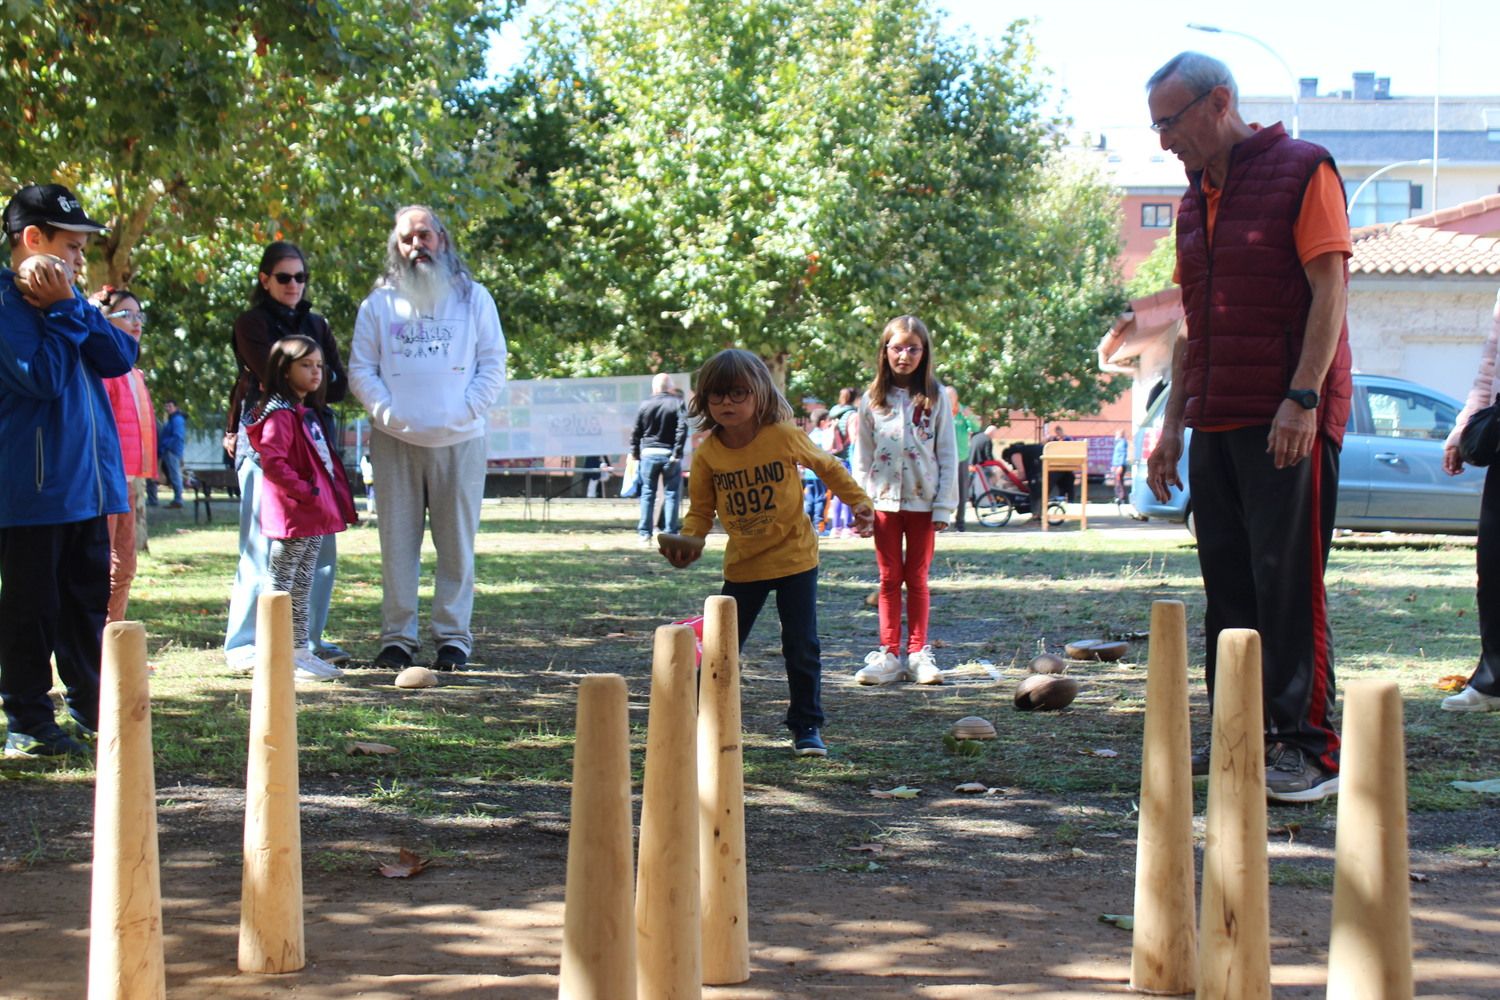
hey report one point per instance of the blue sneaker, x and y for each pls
(54, 744)
(78, 729)
(809, 743)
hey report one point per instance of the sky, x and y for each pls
(1099, 53)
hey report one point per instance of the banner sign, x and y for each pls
(534, 418)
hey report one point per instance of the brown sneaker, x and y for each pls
(1293, 776)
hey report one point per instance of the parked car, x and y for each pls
(1391, 474)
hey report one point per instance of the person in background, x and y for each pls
(135, 422)
(171, 443)
(842, 415)
(658, 442)
(814, 493)
(1065, 480)
(1119, 465)
(964, 426)
(1482, 692)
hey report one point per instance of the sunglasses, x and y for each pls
(139, 317)
(285, 278)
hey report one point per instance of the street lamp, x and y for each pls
(1296, 86)
(1388, 167)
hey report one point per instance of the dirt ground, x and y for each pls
(969, 897)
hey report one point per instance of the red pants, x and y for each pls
(914, 528)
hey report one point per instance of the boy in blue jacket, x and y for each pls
(63, 472)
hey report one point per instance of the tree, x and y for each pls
(785, 177)
(202, 129)
(1155, 272)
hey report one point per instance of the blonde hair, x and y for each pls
(925, 388)
(734, 369)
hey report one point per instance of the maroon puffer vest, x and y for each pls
(1247, 301)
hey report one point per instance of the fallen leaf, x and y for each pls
(938, 644)
(372, 749)
(1453, 682)
(1491, 786)
(1419, 877)
(867, 848)
(899, 792)
(408, 863)
(1124, 921)
(972, 788)
(1101, 752)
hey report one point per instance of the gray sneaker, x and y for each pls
(1293, 776)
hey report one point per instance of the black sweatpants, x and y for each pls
(1486, 677)
(54, 595)
(1263, 540)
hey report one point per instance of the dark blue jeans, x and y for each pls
(669, 472)
(797, 605)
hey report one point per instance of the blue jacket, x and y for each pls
(59, 451)
(171, 439)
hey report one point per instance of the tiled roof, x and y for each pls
(1405, 248)
(1444, 218)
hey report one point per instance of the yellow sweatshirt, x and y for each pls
(757, 493)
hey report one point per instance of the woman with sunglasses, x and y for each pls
(278, 308)
(135, 419)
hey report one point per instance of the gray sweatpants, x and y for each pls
(443, 486)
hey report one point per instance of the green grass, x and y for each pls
(577, 595)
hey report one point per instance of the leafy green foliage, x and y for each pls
(202, 129)
(786, 177)
(1155, 272)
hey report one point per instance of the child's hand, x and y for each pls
(864, 520)
(939, 525)
(680, 550)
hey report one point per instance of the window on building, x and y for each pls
(1383, 201)
(1156, 216)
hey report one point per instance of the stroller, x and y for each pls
(993, 505)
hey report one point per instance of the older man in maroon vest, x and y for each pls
(1261, 374)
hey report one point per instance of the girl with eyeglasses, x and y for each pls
(279, 308)
(745, 471)
(906, 461)
(135, 419)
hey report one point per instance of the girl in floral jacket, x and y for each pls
(906, 461)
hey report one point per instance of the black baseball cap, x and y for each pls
(48, 204)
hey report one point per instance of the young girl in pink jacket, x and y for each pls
(306, 492)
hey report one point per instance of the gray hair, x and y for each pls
(447, 257)
(1200, 73)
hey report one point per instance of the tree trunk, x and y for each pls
(777, 364)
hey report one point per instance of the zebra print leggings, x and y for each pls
(292, 563)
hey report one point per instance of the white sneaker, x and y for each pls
(881, 667)
(1470, 700)
(924, 665)
(240, 659)
(308, 667)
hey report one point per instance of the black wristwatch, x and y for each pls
(1305, 398)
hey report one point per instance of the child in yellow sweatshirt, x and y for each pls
(745, 471)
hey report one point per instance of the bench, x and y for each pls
(204, 481)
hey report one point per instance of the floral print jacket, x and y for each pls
(905, 457)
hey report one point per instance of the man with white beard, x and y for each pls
(428, 360)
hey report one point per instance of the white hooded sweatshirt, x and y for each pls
(428, 380)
